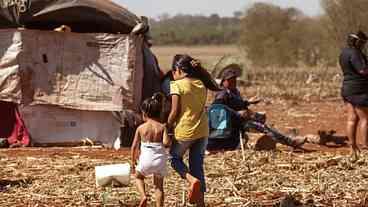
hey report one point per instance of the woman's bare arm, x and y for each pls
(175, 109)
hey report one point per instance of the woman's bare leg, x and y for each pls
(362, 113)
(351, 128)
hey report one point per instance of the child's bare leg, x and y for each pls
(141, 189)
(158, 181)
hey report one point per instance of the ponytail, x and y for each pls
(193, 68)
(152, 106)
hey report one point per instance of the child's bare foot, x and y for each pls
(143, 202)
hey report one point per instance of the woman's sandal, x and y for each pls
(194, 191)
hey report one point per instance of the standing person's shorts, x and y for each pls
(360, 100)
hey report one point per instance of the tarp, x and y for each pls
(98, 72)
(53, 125)
(10, 77)
(87, 16)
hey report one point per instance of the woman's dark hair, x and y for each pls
(193, 69)
(355, 38)
(186, 64)
(152, 106)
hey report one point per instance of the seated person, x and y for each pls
(230, 96)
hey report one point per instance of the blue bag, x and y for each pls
(223, 122)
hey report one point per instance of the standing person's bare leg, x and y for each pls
(362, 113)
(351, 126)
(158, 182)
(141, 189)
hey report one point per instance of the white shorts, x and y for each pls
(152, 160)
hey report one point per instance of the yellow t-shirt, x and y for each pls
(193, 121)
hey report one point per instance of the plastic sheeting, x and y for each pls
(55, 125)
(97, 72)
(10, 48)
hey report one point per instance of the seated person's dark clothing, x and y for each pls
(232, 99)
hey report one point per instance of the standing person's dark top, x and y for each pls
(354, 66)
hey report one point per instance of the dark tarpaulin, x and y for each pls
(92, 16)
(152, 74)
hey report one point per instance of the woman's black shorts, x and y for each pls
(360, 100)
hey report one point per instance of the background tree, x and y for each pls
(345, 16)
(268, 37)
(273, 36)
(341, 18)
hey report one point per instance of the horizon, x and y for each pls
(159, 7)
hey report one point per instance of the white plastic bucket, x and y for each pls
(117, 174)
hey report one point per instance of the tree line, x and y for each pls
(271, 35)
(195, 30)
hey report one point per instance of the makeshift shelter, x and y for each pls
(75, 86)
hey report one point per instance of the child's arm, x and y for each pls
(135, 148)
(166, 140)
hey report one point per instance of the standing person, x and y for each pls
(151, 136)
(245, 118)
(189, 119)
(354, 91)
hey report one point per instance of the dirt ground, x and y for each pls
(65, 176)
(305, 118)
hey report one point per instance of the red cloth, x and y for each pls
(12, 125)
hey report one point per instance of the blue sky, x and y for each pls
(154, 8)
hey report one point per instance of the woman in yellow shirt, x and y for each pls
(189, 120)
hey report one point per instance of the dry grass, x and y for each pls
(302, 83)
(208, 55)
(262, 179)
